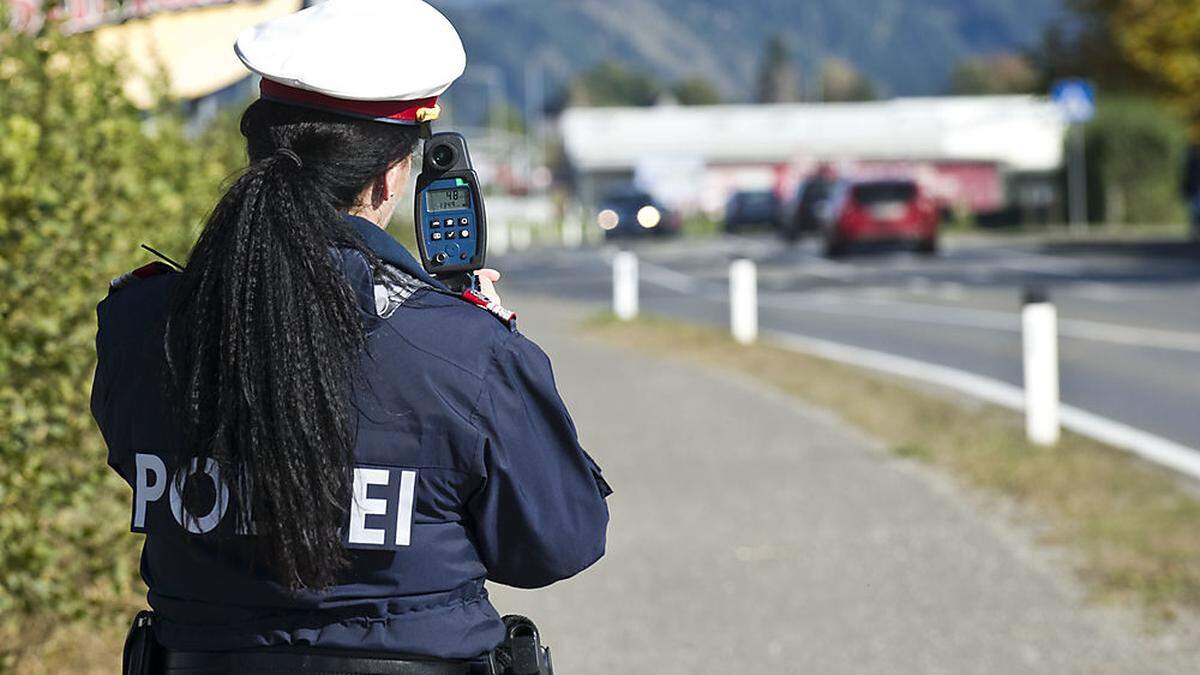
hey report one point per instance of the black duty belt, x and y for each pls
(256, 663)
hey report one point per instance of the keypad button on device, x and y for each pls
(463, 221)
(436, 236)
(451, 234)
(436, 223)
(465, 234)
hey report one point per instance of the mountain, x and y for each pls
(908, 47)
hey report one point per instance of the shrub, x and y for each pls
(1135, 153)
(84, 178)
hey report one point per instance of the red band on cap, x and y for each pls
(391, 111)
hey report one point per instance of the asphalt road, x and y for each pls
(1129, 313)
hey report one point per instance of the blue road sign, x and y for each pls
(1076, 99)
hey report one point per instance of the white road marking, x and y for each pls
(1097, 292)
(920, 285)
(669, 278)
(1037, 263)
(980, 275)
(878, 295)
(1084, 329)
(1150, 447)
(816, 266)
(753, 247)
(966, 317)
(950, 290)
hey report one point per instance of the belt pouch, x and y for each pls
(142, 654)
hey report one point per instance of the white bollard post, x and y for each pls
(743, 301)
(1039, 329)
(625, 286)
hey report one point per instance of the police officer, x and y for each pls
(330, 451)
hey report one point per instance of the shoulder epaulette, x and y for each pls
(507, 317)
(146, 271)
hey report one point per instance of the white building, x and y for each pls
(988, 154)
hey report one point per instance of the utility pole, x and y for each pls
(1077, 179)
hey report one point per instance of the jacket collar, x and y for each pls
(391, 251)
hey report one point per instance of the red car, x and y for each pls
(879, 211)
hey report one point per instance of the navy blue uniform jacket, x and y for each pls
(467, 468)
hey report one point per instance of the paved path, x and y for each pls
(753, 534)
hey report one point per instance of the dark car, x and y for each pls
(811, 200)
(880, 211)
(634, 213)
(751, 208)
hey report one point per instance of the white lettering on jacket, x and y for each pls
(404, 508)
(144, 491)
(362, 506)
(380, 514)
(209, 521)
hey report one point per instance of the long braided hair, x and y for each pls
(265, 337)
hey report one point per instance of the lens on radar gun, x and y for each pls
(442, 157)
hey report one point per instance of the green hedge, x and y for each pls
(1135, 151)
(84, 178)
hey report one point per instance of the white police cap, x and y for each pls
(387, 60)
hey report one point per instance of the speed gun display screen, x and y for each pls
(447, 200)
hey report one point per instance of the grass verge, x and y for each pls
(1131, 529)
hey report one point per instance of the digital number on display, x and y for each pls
(447, 200)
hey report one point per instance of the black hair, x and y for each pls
(265, 335)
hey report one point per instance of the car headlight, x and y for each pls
(648, 217)
(607, 219)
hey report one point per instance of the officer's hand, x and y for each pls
(487, 284)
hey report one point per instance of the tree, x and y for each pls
(1130, 46)
(994, 74)
(1087, 51)
(841, 81)
(778, 79)
(696, 91)
(1161, 38)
